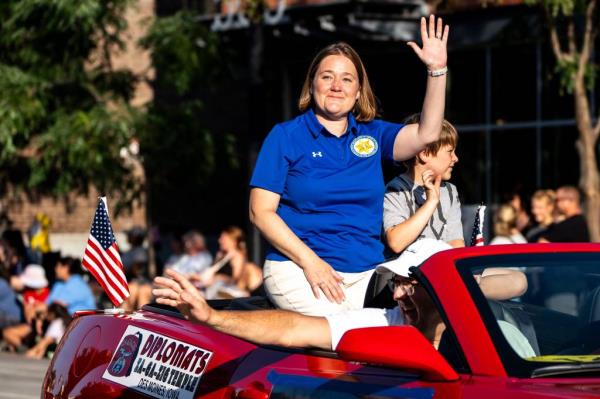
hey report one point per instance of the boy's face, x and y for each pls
(442, 162)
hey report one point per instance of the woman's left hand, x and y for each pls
(434, 37)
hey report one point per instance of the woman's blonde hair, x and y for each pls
(548, 195)
(365, 108)
(505, 220)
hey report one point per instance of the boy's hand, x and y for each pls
(432, 185)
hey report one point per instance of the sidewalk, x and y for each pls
(21, 377)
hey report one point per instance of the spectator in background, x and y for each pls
(574, 226)
(232, 275)
(34, 285)
(135, 262)
(505, 226)
(35, 293)
(57, 320)
(523, 221)
(543, 208)
(196, 258)
(175, 250)
(15, 251)
(70, 290)
(10, 311)
(39, 236)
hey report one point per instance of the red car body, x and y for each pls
(99, 349)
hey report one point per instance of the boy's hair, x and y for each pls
(448, 137)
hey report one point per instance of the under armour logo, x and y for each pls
(317, 154)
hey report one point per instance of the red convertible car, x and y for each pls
(156, 353)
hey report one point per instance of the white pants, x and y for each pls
(287, 288)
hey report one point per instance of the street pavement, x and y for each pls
(21, 378)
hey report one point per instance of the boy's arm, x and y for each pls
(401, 235)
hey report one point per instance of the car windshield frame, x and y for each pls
(455, 355)
(515, 365)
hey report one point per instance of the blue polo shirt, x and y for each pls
(331, 187)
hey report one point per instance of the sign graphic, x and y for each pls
(157, 365)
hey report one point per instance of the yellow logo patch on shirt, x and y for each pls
(364, 146)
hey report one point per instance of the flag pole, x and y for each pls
(103, 199)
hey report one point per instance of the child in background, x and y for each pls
(33, 286)
(56, 321)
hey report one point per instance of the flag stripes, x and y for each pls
(101, 257)
(477, 234)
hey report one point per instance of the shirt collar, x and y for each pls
(315, 127)
(418, 191)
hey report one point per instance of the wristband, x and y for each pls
(438, 72)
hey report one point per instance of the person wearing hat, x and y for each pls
(33, 286)
(291, 329)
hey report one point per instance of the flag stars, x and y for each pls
(101, 229)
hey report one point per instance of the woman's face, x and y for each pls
(541, 209)
(226, 242)
(335, 87)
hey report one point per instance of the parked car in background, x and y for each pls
(155, 352)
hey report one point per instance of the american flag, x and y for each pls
(477, 235)
(102, 259)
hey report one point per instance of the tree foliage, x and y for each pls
(178, 151)
(573, 29)
(64, 113)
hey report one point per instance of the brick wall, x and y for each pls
(75, 217)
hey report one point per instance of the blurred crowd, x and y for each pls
(552, 216)
(40, 290)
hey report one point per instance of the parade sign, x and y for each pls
(156, 365)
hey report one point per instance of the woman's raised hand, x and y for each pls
(322, 277)
(435, 38)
